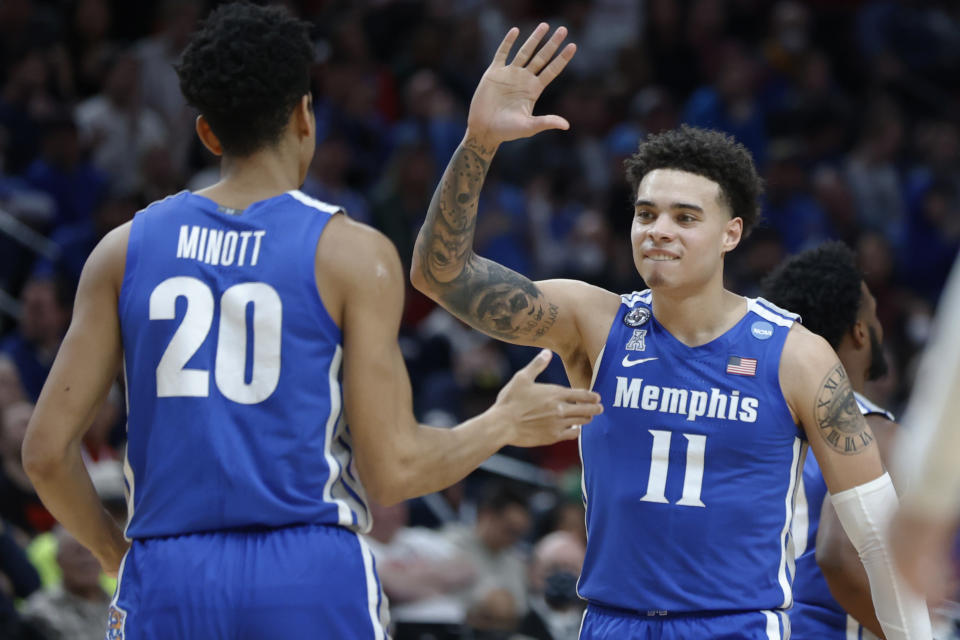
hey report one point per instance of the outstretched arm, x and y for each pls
(491, 298)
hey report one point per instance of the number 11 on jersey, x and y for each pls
(660, 462)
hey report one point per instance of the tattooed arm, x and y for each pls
(820, 396)
(491, 298)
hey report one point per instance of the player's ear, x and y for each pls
(304, 118)
(208, 137)
(860, 334)
(732, 233)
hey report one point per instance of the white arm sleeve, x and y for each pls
(927, 449)
(865, 512)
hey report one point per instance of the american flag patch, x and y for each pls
(742, 366)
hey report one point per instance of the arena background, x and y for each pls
(850, 108)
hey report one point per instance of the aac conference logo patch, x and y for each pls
(762, 330)
(116, 617)
(636, 317)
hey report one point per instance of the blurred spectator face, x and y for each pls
(501, 530)
(91, 19)
(496, 610)
(11, 388)
(42, 318)
(179, 20)
(790, 26)
(557, 552)
(123, 82)
(833, 195)
(737, 74)
(61, 146)
(81, 571)
(28, 75)
(388, 520)
(876, 260)
(15, 420)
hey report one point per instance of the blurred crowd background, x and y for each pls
(851, 109)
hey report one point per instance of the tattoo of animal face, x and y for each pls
(839, 420)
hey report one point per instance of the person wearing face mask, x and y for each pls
(555, 609)
(824, 286)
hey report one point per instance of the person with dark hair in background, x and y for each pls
(249, 320)
(690, 474)
(826, 289)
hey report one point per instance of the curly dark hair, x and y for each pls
(245, 70)
(822, 285)
(711, 154)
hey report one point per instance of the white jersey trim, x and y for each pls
(771, 313)
(786, 544)
(868, 408)
(800, 529)
(344, 515)
(630, 299)
(129, 484)
(313, 202)
(773, 626)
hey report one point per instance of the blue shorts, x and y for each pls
(309, 581)
(810, 622)
(602, 623)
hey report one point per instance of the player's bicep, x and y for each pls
(819, 391)
(88, 360)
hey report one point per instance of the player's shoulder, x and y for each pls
(358, 254)
(766, 311)
(804, 350)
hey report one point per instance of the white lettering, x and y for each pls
(748, 409)
(229, 248)
(673, 400)
(698, 405)
(718, 404)
(627, 395)
(214, 243)
(734, 399)
(203, 242)
(187, 244)
(256, 246)
(650, 395)
(244, 236)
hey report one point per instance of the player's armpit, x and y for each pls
(818, 392)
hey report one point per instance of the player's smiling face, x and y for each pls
(681, 229)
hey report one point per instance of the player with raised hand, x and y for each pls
(256, 329)
(710, 398)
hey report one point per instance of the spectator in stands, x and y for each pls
(77, 610)
(555, 608)
(503, 520)
(19, 504)
(45, 313)
(117, 127)
(422, 573)
(18, 579)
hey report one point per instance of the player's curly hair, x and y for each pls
(245, 70)
(711, 154)
(822, 285)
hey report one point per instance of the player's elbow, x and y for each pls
(417, 277)
(387, 485)
(833, 563)
(40, 456)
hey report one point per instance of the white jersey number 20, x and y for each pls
(174, 379)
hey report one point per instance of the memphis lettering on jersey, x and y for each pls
(632, 393)
(219, 247)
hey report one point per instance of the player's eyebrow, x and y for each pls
(673, 205)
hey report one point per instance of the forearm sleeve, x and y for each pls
(865, 512)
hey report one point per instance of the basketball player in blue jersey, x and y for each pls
(831, 592)
(257, 332)
(710, 398)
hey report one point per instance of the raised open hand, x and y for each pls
(502, 105)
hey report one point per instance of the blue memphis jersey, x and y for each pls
(690, 473)
(816, 614)
(232, 364)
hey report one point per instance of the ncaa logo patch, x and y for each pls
(762, 330)
(637, 342)
(636, 317)
(116, 618)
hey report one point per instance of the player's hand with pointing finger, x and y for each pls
(540, 414)
(502, 105)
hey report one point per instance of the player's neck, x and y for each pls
(699, 318)
(253, 178)
(856, 371)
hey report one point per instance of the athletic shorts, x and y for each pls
(602, 623)
(299, 582)
(810, 622)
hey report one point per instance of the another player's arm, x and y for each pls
(489, 297)
(819, 394)
(86, 365)
(836, 555)
(397, 457)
